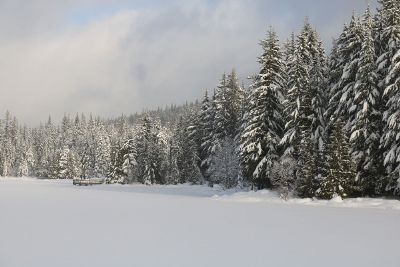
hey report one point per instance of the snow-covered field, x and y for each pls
(53, 223)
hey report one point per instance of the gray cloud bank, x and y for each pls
(141, 55)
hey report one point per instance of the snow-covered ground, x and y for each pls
(53, 223)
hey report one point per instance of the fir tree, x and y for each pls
(305, 99)
(206, 122)
(366, 124)
(187, 155)
(282, 174)
(259, 144)
(226, 167)
(306, 177)
(388, 67)
(228, 103)
(207, 116)
(128, 164)
(148, 154)
(341, 172)
(66, 165)
(102, 152)
(209, 145)
(347, 61)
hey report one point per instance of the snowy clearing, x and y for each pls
(53, 223)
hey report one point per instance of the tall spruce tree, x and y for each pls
(223, 119)
(305, 100)
(259, 144)
(226, 167)
(307, 181)
(346, 65)
(205, 122)
(341, 169)
(147, 153)
(207, 115)
(187, 157)
(389, 69)
(366, 125)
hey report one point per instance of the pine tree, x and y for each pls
(388, 67)
(207, 116)
(209, 145)
(66, 165)
(288, 56)
(366, 124)
(335, 66)
(102, 152)
(128, 165)
(259, 144)
(305, 99)
(282, 174)
(386, 31)
(122, 144)
(222, 119)
(226, 167)
(228, 103)
(235, 96)
(345, 64)
(206, 122)
(173, 174)
(148, 154)
(307, 181)
(8, 146)
(341, 174)
(316, 59)
(187, 157)
(25, 158)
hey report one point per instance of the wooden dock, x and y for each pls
(86, 182)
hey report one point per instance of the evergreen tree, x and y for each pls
(282, 173)
(208, 146)
(8, 146)
(366, 124)
(173, 174)
(148, 154)
(128, 164)
(345, 64)
(187, 158)
(226, 167)
(102, 152)
(305, 99)
(307, 181)
(221, 119)
(207, 116)
(66, 165)
(341, 173)
(263, 130)
(206, 125)
(388, 67)
(305, 106)
(228, 103)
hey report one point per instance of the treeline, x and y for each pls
(311, 124)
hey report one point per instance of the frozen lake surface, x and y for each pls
(53, 223)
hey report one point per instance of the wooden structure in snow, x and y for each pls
(86, 182)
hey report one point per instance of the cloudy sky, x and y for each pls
(110, 57)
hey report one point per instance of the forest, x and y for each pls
(310, 124)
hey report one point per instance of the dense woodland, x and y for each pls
(310, 124)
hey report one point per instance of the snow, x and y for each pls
(53, 223)
(271, 197)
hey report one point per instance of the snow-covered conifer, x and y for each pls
(341, 173)
(366, 125)
(259, 144)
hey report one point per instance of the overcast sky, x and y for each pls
(110, 57)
